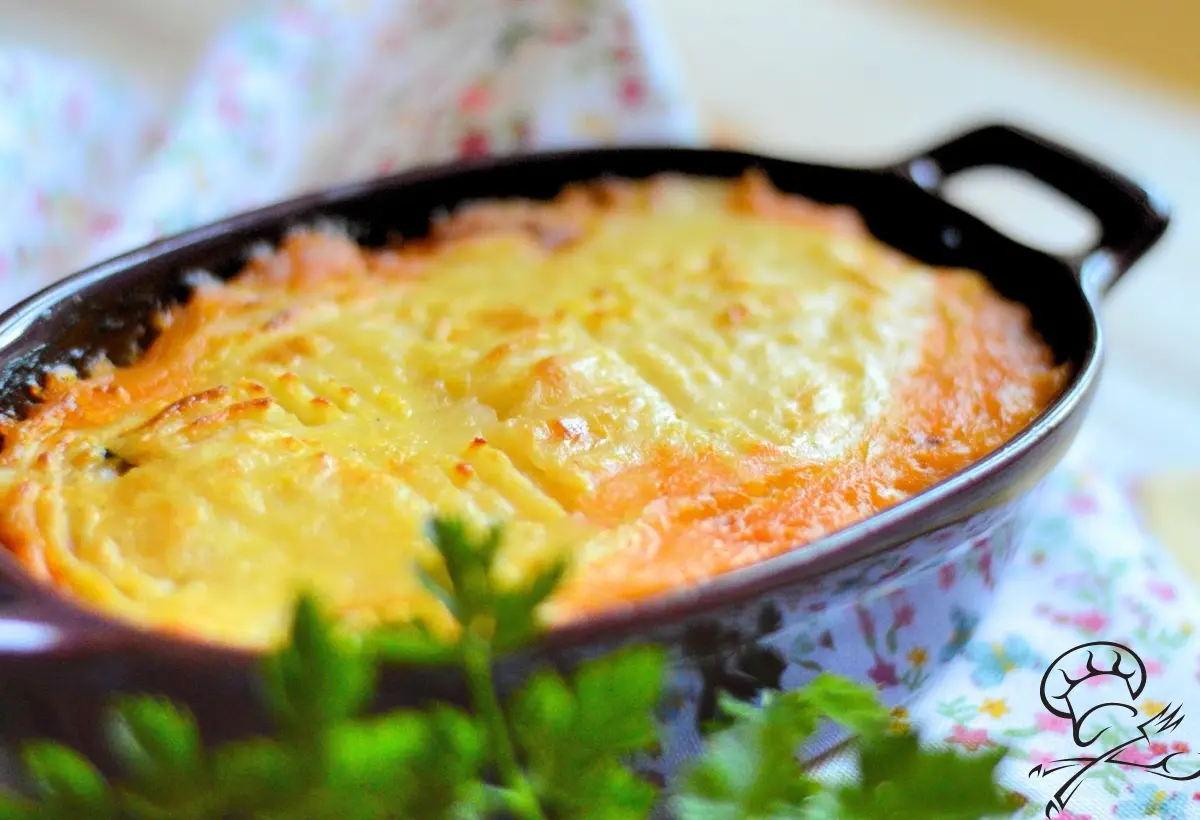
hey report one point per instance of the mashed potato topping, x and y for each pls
(665, 379)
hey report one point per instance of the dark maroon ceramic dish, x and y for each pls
(857, 602)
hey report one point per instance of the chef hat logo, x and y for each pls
(1087, 684)
(1094, 686)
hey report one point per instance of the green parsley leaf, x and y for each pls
(851, 705)
(159, 749)
(465, 584)
(887, 757)
(407, 764)
(466, 587)
(14, 808)
(410, 644)
(257, 778)
(749, 770)
(316, 679)
(446, 776)
(576, 739)
(516, 610)
(902, 780)
(69, 786)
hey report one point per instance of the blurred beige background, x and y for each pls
(1151, 39)
(860, 81)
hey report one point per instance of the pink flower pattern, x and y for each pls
(1040, 758)
(970, 739)
(1046, 722)
(1140, 753)
(946, 576)
(1091, 622)
(883, 674)
(903, 616)
(1161, 590)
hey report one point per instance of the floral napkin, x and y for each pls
(300, 94)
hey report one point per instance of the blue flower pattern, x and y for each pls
(993, 661)
(964, 624)
(1148, 800)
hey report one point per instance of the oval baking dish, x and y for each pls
(664, 379)
(770, 624)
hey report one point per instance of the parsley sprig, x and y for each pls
(559, 748)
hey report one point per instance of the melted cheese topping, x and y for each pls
(667, 379)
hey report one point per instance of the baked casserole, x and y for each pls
(664, 380)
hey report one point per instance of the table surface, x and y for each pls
(859, 81)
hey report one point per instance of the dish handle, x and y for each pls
(1131, 218)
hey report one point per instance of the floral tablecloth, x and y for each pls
(304, 93)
